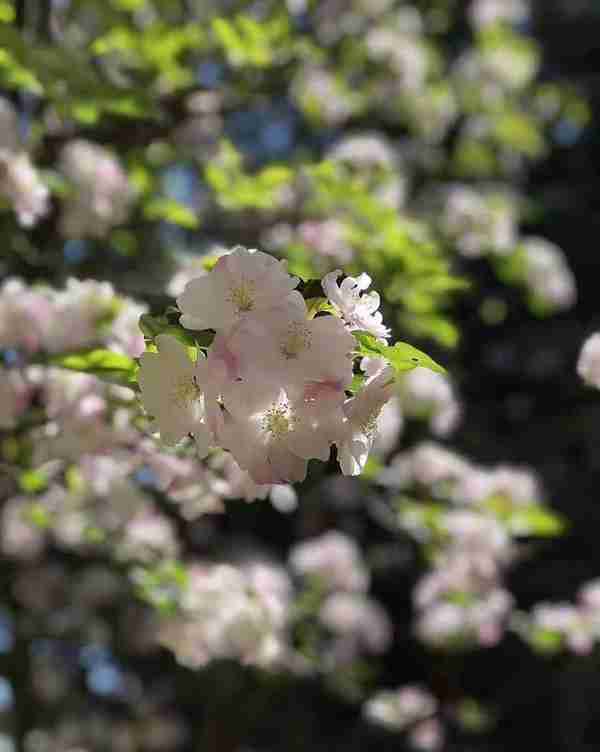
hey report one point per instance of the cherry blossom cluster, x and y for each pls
(332, 565)
(564, 626)
(98, 195)
(272, 388)
(479, 222)
(33, 318)
(245, 610)
(98, 471)
(473, 527)
(228, 611)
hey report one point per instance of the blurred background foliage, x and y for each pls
(446, 148)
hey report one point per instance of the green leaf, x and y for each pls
(33, 481)
(107, 365)
(171, 211)
(526, 519)
(357, 384)
(536, 520)
(402, 356)
(38, 515)
(152, 326)
(319, 305)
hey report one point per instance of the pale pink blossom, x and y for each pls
(334, 558)
(270, 435)
(20, 184)
(241, 282)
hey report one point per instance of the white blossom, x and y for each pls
(358, 308)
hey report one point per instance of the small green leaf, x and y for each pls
(357, 384)
(536, 520)
(402, 356)
(152, 326)
(33, 481)
(171, 211)
(526, 519)
(318, 305)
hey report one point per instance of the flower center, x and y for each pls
(242, 296)
(278, 421)
(185, 392)
(297, 340)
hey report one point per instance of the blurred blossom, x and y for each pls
(427, 736)
(14, 397)
(25, 315)
(398, 709)
(489, 12)
(390, 424)
(401, 46)
(230, 611)
(190, 267)
(429, 395)
(452, 477)
(323, 96)
(548, 276)
(365, 151)
(479, 222)
(22, 187)
(335, 559)
(101, 196)
(327, 238)
(588, 365)
(357, 623)
(19, 538)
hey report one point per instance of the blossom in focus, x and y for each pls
(283, 346)
(358, 308)
(171, 393)
(241, 282)
(270, 434)
(362, 412)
